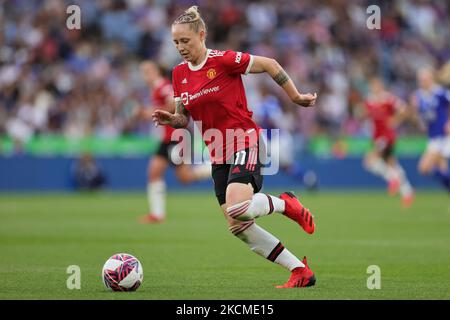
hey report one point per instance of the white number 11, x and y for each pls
(240, 157)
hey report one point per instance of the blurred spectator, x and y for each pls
(87, 175)
(86, 82)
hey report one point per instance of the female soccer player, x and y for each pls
(162, 98)
(208, 87)
(432, 105)
(386, 112)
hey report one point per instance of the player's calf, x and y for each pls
(265, 244)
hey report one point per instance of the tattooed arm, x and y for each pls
(273, 68)
(179, 119)
(181, 116)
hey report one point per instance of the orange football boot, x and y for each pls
(297, 212)
(150, 218)
(300, 277)
(393, 187)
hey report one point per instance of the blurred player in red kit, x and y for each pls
(208, 88)
(386, 112)
(162, 98)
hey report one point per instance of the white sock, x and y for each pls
(405, 187)
(379, 168)
(156, 196)
(392, 173)
(288, 260)
(266, 245)
(260, 205)
(201, 171)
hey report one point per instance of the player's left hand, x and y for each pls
(162, 117)
(306, 100)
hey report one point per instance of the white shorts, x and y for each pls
(439, 145)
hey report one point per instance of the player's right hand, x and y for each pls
(161, 117)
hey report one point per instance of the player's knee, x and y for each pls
(185, 174)
(424, 169)
(184, 179)
(154, 175)
(238, 192)
(368, 161)
(239, 211)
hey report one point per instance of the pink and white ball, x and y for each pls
(122, 272)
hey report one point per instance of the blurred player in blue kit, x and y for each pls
(431, 104)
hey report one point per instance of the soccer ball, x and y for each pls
(122, 272)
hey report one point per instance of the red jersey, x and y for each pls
(381, 111)
(214, 94)
(161, 93)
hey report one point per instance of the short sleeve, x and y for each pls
(176, 90)
(237, 62)
(167, 92)
(395, 102)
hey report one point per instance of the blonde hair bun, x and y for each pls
(192, 17)
(193, 11)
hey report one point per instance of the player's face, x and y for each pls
(187, 42)
(376, 85)
(425, 78)
(149, 72)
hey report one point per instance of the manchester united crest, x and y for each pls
(211, 73)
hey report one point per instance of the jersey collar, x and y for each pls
(199, 66)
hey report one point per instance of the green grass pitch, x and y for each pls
(193, 256)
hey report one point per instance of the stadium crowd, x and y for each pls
(87, 82)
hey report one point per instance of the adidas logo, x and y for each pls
(184, 81)
(236, 170)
